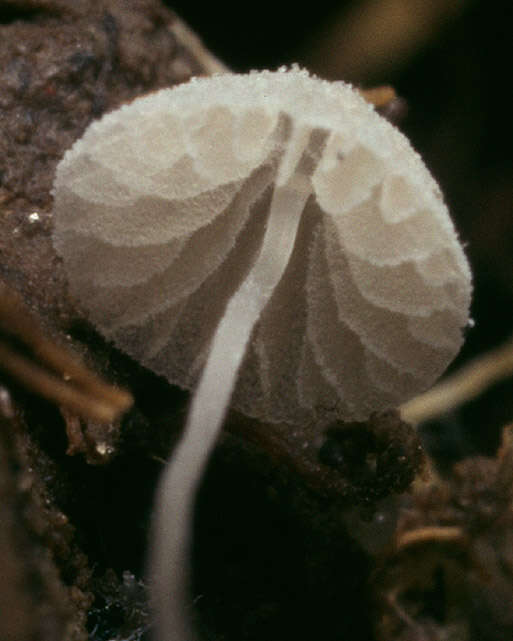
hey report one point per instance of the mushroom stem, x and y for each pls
(175, 496)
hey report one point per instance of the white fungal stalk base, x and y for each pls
(175, 499)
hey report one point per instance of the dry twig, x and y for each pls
(49, 370)
(376, 35)
(430, 534)
(469, 382)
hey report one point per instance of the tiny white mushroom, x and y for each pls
(271, 241)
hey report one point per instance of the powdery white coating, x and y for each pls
(161, 206)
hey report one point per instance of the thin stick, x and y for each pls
(52, 371)
(469, 382)
(186, 36)
(430, 534)
(38, 380)
(379, 96)
(374, 36)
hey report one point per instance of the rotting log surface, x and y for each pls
(62, 64)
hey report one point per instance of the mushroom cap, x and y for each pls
(160, 209)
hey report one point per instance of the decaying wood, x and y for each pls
(61, 65)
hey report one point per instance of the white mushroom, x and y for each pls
(270, 241)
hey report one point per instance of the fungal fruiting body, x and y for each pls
(270, 241)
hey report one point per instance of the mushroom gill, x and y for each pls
(270, 241)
